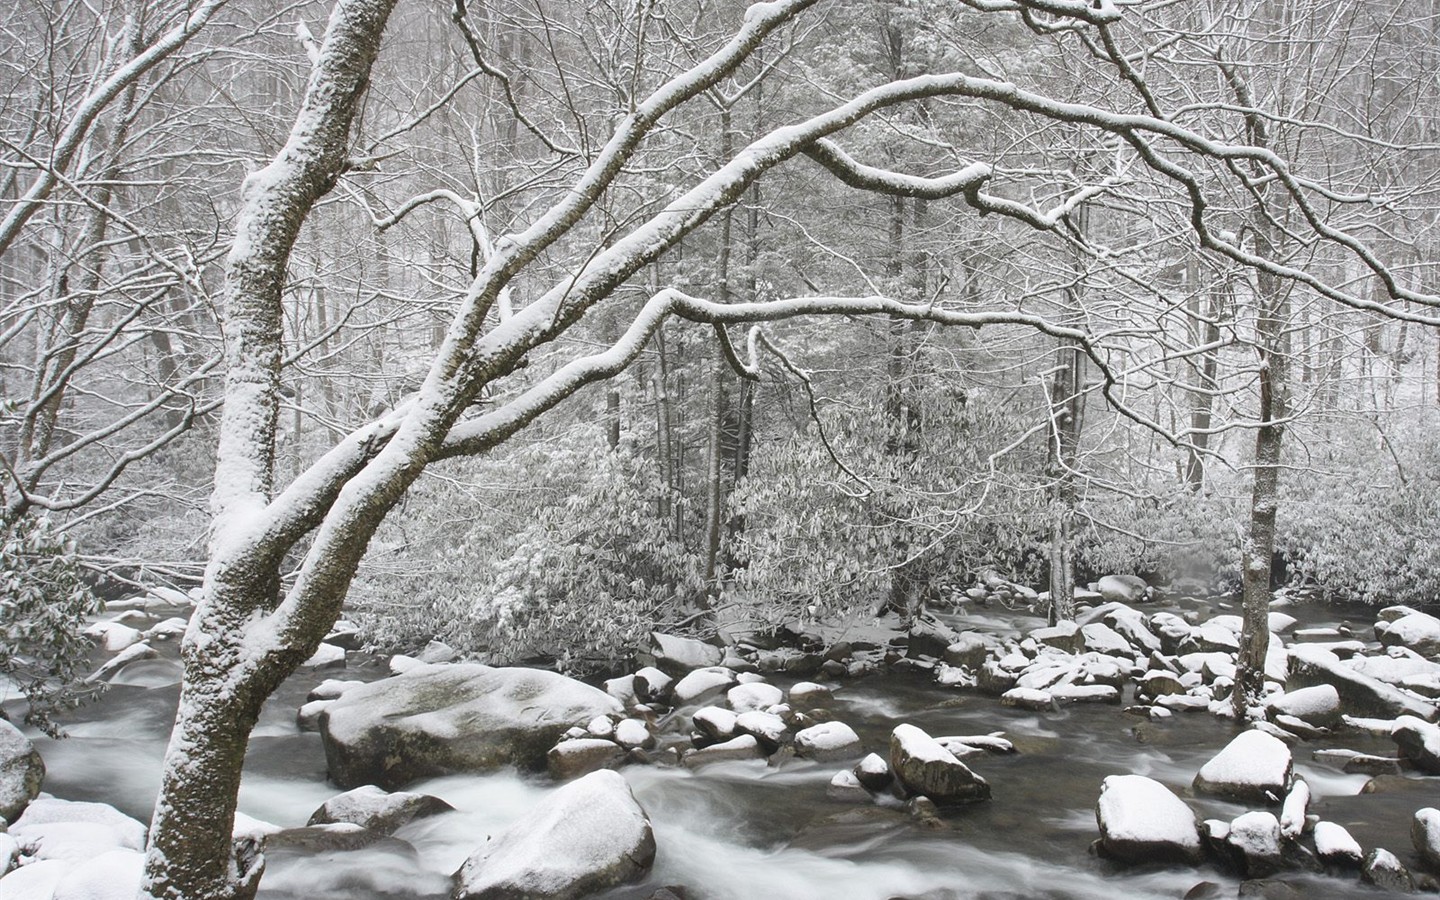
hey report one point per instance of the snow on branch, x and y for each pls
(858, 175)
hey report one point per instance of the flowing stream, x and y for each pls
(747, 830)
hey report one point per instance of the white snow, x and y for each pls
(715, 721)
(808, 692)
(590, 824)
(1416, 629)
(701, 682)
(920, 746)
(1255, 833)
(764, 725)
(61, 829)
(113, 636)
(1333, 840)
(755, 695)
(326, 656)
(1254, 762)
(1279, 622)
(1309, 704)
(1077, 693)
(682, 652)
(1138, 808)
(1292, 814)
(828, 739)
(632, 733)
(1101, 638)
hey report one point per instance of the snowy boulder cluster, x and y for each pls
(924, 771)
(1142, 821)
(62, 850)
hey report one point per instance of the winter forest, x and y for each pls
(689, 450)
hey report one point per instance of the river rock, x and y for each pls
(755, 695)
(1141, 821)
(1123, 588)
(571, 759)
(808, 693)
(1254, 839)
(326, 656)
(677, 655)
(970, 648)
(768, 728)
(1416, 630)
(443, 719)
(587, 836)
(1101, 638)
(744, 746)
(1425, 835)
(109, 875)
(1383, 870)
(21, 771)
(1336, 847)
(1254, 766)
(845, 787)
(703, 683)
(1062, 635)
(1312, 664)
(113, 636)
(873, 772)
(377, 810)
(1318, 706)
(928, 637)
(1419, 742)
(924, 767)
(330, 689)
(715, 723)
(307, 718)
(73, 831)
(827, 741)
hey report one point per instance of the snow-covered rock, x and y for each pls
(652, 685)
(1416, 630)
(307, 718)
(587, 836)
(702, 683)
(1098, 637)
(1141, 821)
(632, 733)
(1292, 811)
(1334, 845)
(1062, 635)
(326, 656)
(21, 771)
(808, 693)
(755, 695)
(1254, 838)
(715, 723)
(331, 689)
(1122, 588)
(113, 636)
(924, 767)
(133, 653)
(677, 655)
(64, 830)
(1027, 698)
(1383, 870)
(571, 759)
(1311, 664)
(1253, 766)
(1085, 693)
(1425, 835)
(1279, 622)
(768, 728)
(827, 741)
(441, 719)
(743, 746)
(873, 772)
(1210, 638)
(846, 788)
(1419, 742)
(377, 810)
(1318, 705)
(109, 875)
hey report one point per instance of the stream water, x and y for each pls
(745, 830)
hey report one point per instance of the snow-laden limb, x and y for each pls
(1090, 12)
(89, 109)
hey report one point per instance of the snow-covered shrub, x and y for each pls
(43, 605)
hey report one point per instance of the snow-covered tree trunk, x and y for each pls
(226, 681)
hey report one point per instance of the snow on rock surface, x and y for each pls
(1425, 835)
(676, 655)
(326, 656)
(113, 636)
(443, 719)
(924, 767)
(1253, 766)
(1383, 870)
(66, 830)
(755, 695)
(1311, 664)
(571, 759)
(827, 741)
(112, 875)
(589, 835)
(1318, 705)
(1417, 630)
(1255, 838)
(374, 808)
(1419, 742)
(21, 771)
(715, 723)
(1292, 813)
(702, 683)
(1334, 845)
(1142, 821)
(1122, 588)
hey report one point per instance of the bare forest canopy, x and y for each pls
(537, 325)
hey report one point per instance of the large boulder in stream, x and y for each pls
(1419, 742)
(1141, 821)
(1254, 766)
(21, 772)
(443, 719)
(372, 808)
(587, 836)
(1311, 664)
(925, 767)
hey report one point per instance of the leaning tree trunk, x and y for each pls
(190, 856)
